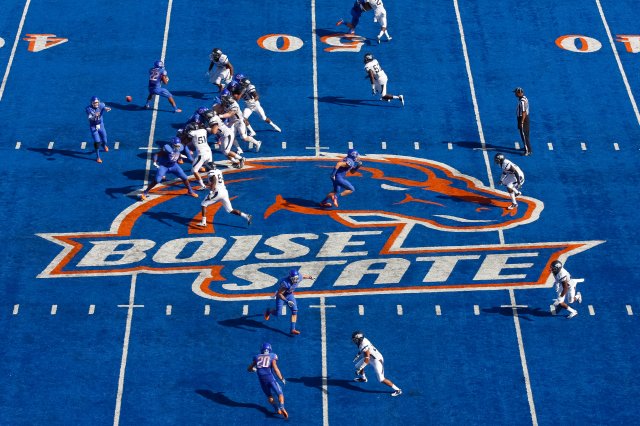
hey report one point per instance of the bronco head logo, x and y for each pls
(392, 190)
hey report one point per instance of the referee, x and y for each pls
(522, 113)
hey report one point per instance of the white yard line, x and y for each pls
(125, 349)
(620, 67)
(316, 118)
(523, 359)
(13, 49)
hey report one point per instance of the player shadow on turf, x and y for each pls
(523, 313)
(127, 106)
(488, 146)
(222, 399)
(166, 218)
(247, 324)
(50, 153)
(191, 94)
(339, 100)
(316, 382)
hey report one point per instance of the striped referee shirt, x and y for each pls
(523, 106)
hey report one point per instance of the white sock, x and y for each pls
(395, 388)
(380, 35)
(387, 34)
(570, 309)
(244, 216)
(513, 197)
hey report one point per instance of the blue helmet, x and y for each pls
(176, 143)
(158, 64)
(266, 348)
(216, 100)
(353, 154)
(294, 276)
(202, 110)
(226, 97)
(239, 77)
(94, 99)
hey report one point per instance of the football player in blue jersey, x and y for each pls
(266, 365)
(167, 161)
(284, 294)
(157, 77)
(96, 124)
(356, 11)
(341, 186)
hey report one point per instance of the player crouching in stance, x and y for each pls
(350, 163)
(565, 289)
(284, 294)
(168, 162)
(512, 177)
(218, 192)
(266, 364)
(369, 355)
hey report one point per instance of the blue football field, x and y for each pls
(120, 311)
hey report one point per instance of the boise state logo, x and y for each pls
(412, 225)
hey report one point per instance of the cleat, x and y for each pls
(389, 38)
(201, 188)
(143, 196)
(512, 206)
(334, 199)
(360, 379)
(249, 219)
(401, 99)
(267, 314)
(397, 393)
(326, 204)
(378, 40)
(202, 224)
(276, 128)
(340, 22)
(241, 163)
(353, 31)
(283, 412)
(177, 110)
(518, 193)
(98, 160)
(193, 194)
(106, 148)
(572, 314)
(579, 297)
(258, 145)
(295, 332)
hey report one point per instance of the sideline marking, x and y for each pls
(591, 311)
(383, 145)
(54, 309)
(325, 390)
(399, 309)
(168, 310)
(284, 145)
(92, 309)
(583, 146)
(13, 49)
(350, 144)
(283, 311)
(615, 53)
(16, 308)
(438, 311)
(360, 309)
(449, 145)
(416, 145)
(550, 145)
(125, 346)
(50, 145)
(552, 309)
(629, 310)
(116, 145)
(476, 310)
(616, 146)
(83, 145)
(517, 145)
(207, 309)
(18, 144)
(245, 310)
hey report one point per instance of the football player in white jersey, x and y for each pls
(380, 16)
(252, 104)
(565, 289)
(204, 157)
(369, 355)
(218, 192)
(224, 135)
(235, 119)
(378, 79)
(512, 177)
(223, 71)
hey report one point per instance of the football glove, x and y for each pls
(290, 303)
(373, 90)
(284, 382)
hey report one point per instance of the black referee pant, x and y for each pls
(524, 134)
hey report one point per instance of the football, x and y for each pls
(128, 98)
